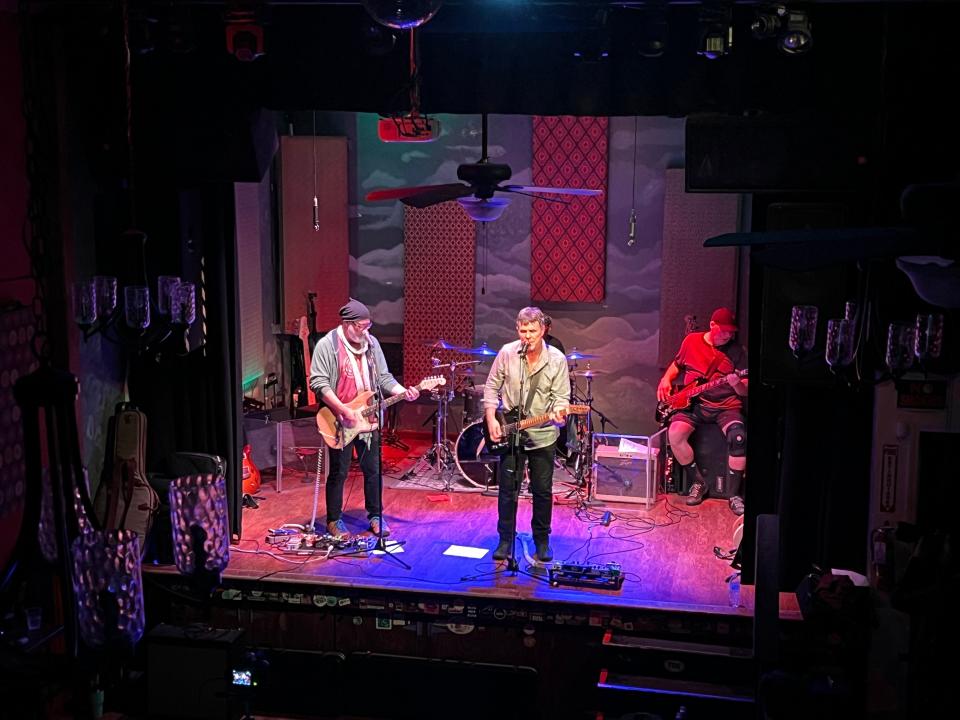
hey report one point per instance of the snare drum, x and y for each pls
(476, 466)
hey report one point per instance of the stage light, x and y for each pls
(767, 21)
(716, 31)
(244, 33)
(651, 38)
(402, 14)
(797, 36)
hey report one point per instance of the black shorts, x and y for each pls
(700, 414)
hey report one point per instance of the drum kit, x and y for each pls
(464, 461)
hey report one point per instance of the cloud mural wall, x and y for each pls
(623, 331)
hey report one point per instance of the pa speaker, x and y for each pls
(755, 153)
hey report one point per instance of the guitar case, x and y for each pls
(126, 500)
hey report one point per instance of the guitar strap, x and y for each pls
(535, 380)
(714, 364)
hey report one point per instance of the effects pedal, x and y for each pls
(603, 577)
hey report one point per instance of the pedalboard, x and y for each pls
(603, 577)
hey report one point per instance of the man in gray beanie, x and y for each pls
(347, 361)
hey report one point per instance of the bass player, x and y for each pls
(702, 356)
(346, 361)
(530, 375)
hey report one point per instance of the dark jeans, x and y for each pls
(541, 487)
(369, 458)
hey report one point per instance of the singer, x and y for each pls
(531, 377)
(347, 361)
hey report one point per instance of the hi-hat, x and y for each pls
(588, 373)
(483, 349)
(456, 365)
(440, 345)
(577, 355)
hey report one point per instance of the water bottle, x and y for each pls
(733, 589)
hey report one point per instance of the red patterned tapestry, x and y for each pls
(568, 242)
(439, 255)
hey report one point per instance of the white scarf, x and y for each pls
(361, 374)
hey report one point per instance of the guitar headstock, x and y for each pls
(434, 381)
(577, 410)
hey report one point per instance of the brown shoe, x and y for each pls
(337, 529)
(698, 493)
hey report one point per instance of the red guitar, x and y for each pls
(251, 474)
(683, 397)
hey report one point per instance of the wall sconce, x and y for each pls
(144, 324)
(201, 537)
(803, 329)
(841, 337)
(107, 587)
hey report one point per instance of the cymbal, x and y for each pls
(483, 349)
(588, 373)
(577, 355)
(440, 345)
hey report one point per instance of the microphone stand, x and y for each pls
(378, 399)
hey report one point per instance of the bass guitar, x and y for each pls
(251, 474)
(682, 398)
(335, 434)
(511, 428)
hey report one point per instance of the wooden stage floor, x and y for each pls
(667, 553)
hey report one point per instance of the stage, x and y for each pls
(675, 599)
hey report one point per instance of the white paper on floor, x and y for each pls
(474, 553)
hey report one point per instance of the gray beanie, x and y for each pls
(354, 310)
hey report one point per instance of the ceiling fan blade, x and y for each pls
(551, 190)
(437, 194)
(402, 192)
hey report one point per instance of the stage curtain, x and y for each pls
(568, 241)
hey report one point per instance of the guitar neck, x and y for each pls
(697, 389)
(539, 420)
(526, 423)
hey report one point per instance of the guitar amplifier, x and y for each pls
(625, 468)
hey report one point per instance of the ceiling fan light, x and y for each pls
(483, 210)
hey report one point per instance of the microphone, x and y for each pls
(524, 346)
(316, 215)
(632, 235)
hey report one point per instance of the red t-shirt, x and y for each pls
(696, 356)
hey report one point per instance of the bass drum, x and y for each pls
(477, 467)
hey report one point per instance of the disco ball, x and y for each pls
(402, 14)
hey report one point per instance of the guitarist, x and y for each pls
(347, 361)
(702, 356)
(531, 363)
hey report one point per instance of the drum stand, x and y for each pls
(584, 467)
(441, 450)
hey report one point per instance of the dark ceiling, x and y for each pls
(518, 57)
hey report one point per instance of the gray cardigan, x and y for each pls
(325, 371)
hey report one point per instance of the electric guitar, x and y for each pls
(335, 434)
(511, 428)
(251, 474)
(682, 398)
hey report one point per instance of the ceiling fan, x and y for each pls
(475, 194)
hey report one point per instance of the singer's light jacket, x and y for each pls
(324, 370)
(553, 390)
